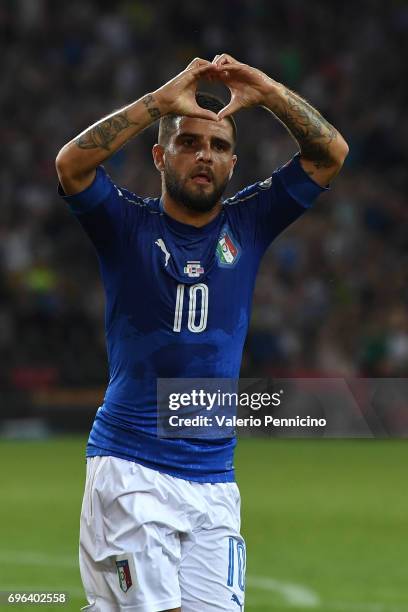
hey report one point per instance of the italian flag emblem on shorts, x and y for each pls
(228, 250)
(125, 579)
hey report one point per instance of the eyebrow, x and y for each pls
(197, 136)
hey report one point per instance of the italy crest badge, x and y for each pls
(228, 249)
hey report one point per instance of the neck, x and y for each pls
(181, 213)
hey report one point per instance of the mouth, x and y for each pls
(202, 178)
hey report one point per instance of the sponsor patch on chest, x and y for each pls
(193, 269)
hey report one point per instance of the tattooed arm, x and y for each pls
(323, 149)
(77, 161)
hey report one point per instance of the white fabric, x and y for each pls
(179, 539)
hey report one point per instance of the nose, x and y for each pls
(204, 153)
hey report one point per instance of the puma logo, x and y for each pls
(163, 248)
(235, 599)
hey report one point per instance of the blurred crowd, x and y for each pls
(332, 294)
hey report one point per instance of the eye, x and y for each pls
(220, 146)
(188, 142)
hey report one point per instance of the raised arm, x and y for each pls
(77, 161)
(322, 148)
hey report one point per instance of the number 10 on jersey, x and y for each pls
(197, 320)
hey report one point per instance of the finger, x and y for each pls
(221, 75)
(225, 58)
(202, 113)
(229, 109)
(202, 69)
(200, 72)
(228, 71)
(233, 67)
(215, 59)
(197, 61)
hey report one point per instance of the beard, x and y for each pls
(198, 198)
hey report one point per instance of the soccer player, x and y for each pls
(160, 521)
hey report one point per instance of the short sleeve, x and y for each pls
(100, 210)
(283, 198)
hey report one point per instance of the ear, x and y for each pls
(158, 157)
(234, 161)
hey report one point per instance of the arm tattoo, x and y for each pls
(101, 135)
(154, 112)
(314, 134)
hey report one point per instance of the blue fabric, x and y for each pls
(144, 256)
(91, 196)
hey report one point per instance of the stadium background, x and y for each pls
(331, 297)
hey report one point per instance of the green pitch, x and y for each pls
(325, 523)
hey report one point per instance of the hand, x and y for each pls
(178, 95)
(248, 86)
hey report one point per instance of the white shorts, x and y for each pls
(151, 542)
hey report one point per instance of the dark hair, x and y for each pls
(205, 100)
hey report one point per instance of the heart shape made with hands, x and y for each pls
(245, 84)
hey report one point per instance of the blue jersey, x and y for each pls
(178, 302)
